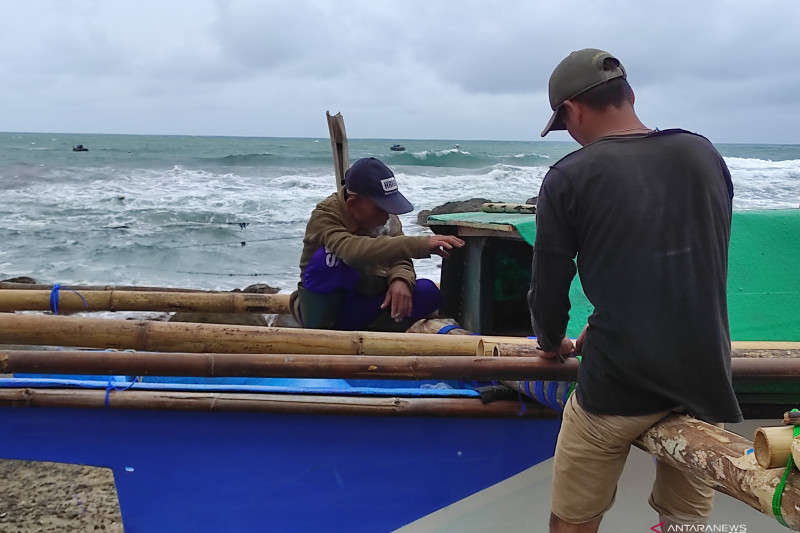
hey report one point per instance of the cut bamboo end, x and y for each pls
(480, 351)
(796, 452)
(772, 446)
(526, 349)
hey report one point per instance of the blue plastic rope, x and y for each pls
(110, 386)
(551, 395)
(538, 390)
(522, 408)
(54, 298)
(447, 329)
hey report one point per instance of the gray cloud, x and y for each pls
(420, 69)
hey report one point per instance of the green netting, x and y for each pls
(512, 277)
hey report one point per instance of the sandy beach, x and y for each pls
(54, 497)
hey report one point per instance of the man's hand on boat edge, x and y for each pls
(567, 347)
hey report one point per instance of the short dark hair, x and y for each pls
(611, 93)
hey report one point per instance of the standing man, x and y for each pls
(355, 269)
(648, 215)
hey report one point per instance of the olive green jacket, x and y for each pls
(380, 259)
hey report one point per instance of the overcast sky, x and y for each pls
(402, 69)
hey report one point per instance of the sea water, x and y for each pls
(226, 212)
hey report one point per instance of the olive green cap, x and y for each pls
(577, 73)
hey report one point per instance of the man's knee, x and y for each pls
(317, 310)
(681, 497)
(558, 525)
(426, 297)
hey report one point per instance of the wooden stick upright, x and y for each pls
(341, 154)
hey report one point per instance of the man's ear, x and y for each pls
(574, 109)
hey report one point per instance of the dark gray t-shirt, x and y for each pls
(649, 219)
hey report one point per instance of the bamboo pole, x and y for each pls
(269, 403)
(752, 362)
(112, 300)
(772, 445)
(146, 335)
(741, 349)
(774, 369)
(277, 365)
(301, 365)
(753, 347)
(197, 338)
(496, 207)
(5, 285)
(486, 348)
(722, 459)
(746, 364)
(504, 349)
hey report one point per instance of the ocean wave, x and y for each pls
(174, 211)
(268, 160)
(437, 158)
(459, 158)
(244, 159)
(764, 167)
(763, 183)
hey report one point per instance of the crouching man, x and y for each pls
(356, 271)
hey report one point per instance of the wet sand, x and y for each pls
(54, 497)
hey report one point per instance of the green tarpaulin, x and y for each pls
(763, 273)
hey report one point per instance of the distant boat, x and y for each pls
(79, 148)
(397, 148)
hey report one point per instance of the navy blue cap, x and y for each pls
(371, 178)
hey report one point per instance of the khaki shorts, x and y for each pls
(590, 454)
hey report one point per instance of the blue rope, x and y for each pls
(447, 329)
(565, 396)
(110, 386)
(54, 298)
(551, 395)
(522, 408)
(538, 391)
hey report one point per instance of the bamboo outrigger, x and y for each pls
(414, 367)
(725, 460)
(127, 300)
(147, 335)
(720, 457)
